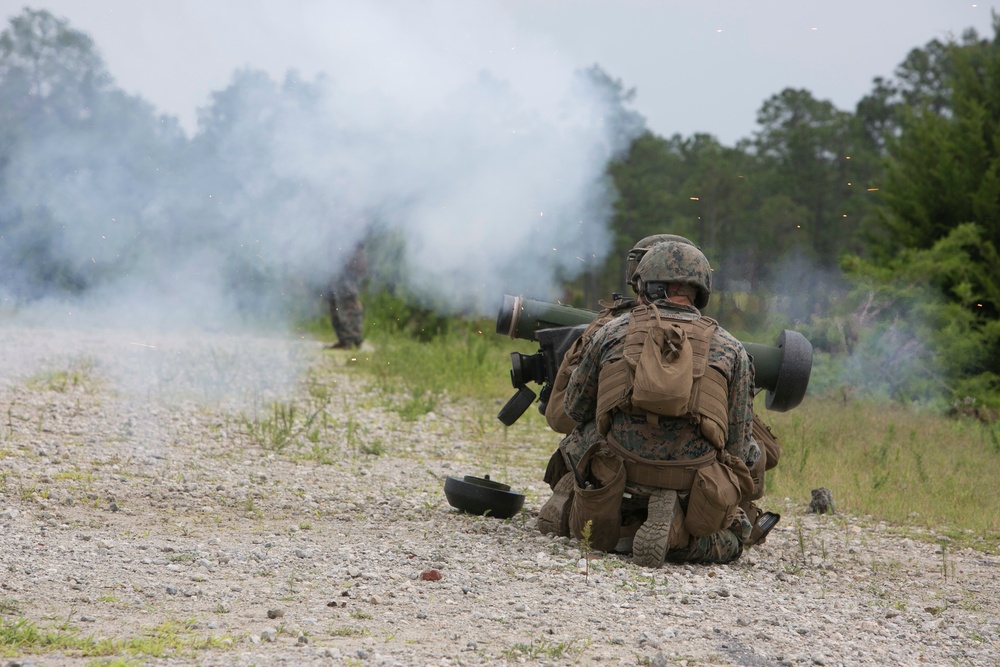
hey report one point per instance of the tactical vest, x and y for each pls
(707, 404)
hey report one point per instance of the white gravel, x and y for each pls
(132, 494)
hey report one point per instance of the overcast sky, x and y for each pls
(701, 66)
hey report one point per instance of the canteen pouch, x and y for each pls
(715, 496)
(599, 501)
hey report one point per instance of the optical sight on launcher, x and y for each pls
(783, 369)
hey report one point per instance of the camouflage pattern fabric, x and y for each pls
(346, 310)
(669, 439)
(555, 412)
(724, 546)
(674, 262)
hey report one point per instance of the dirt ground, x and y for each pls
(149, 514)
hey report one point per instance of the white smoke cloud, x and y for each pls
(478, 144)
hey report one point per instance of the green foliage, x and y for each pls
(169, 639)
(541, 648)
(387, 313)
(899, 464)
(935, 252)
(920, 324)
(465, 360)
(281, 428)
(79, 376)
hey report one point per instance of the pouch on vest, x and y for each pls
(744, 478)
(664, 373)
(714, 499)
(600, 502)
(767, 441)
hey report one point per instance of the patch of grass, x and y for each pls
(467, 360)
(78, 377)
(281, 428)
(539, 648)
(171, 638)
(898, 464)
(117, 662)
(374, 447)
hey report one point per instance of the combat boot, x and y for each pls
(663, 529)
(554, 515)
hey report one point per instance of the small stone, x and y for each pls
(275, 613)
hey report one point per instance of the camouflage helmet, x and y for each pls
(640, 248)
(676, 262)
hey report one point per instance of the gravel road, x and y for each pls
(222, 500)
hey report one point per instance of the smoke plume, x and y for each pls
(474, 154)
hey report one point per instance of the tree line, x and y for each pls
(873, 231)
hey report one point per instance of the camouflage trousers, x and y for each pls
(347, 314)
(724, 546)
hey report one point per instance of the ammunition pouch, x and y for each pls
(767, 441)
(715, 497)
(757, 478)
(555, 409)
(595, 508)
(553, 517)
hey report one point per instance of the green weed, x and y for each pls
(927, 475)
(540, 648)
(281, 429)
(171, 638)
(79, 376)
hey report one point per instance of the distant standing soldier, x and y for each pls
(346, 311)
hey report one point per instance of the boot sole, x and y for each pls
(649, 548)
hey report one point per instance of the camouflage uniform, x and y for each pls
(567, 466)
(672, 439)
(346, 311)
(555, 412)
